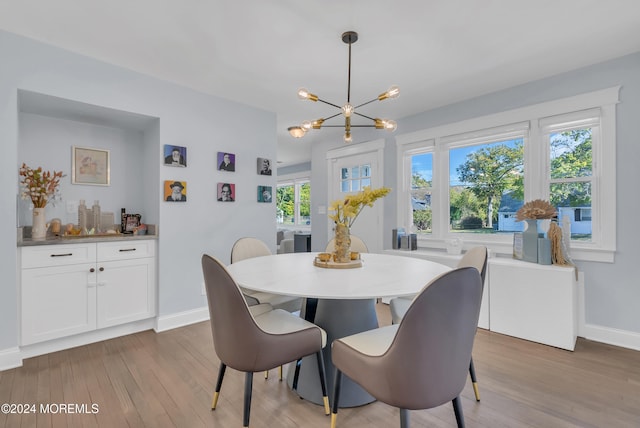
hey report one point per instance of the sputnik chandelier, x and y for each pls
(348, 110)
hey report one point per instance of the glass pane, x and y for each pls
(355, 172)
(573, 200)
(365, 170)
(571, 154)
(285, 204)
(421, 188)
(305, 203)
(355, 185)
(366, 182)
(344, 174)
(484, 182)
(344, 186)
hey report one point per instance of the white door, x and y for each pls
(348, 175)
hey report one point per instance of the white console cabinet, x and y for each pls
(75, 288)
(534, 302)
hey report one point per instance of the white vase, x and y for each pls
(39, 227)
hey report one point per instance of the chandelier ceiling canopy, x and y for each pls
(347, 110)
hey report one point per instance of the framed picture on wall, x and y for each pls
(226, 192)
(264, 166)
(175, 156)
(226, 161)
(264, 194)
(90, 166)
(175, 191)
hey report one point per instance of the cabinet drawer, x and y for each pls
(124, 250)
(58, 255)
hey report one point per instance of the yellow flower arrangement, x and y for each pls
(346, 211)
(41, 187)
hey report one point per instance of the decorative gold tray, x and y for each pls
(333, 265)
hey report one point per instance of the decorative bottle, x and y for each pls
(96, 216)
(82, 216)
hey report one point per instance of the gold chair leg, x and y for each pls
(334, 417)
(327, 409)
(476, 391)
(214, 402)
(280, 373)
(266, 374)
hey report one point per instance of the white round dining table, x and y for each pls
(346, 301)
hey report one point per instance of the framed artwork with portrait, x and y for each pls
(264, 166)
(265, 194)
(175, 191)
(226, 161)
(175, 156)
(90, 166)
(226, 192)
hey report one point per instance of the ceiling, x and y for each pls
(259, 52)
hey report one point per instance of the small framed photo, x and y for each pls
(265, 194)
(226, 161)
(90, 166)
(131, 222)
(226, 192)
(175, 156)
(175, 191)
(264, 166)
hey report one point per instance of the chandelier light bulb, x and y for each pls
(394, 91)
(303, 93)
(296, 131)
(347, 110)
(347, 137)
(389, 125)
(306, 125)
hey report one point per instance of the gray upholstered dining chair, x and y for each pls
(251, 341)
(422, 362)
(475, 257)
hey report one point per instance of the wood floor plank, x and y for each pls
(166, 380)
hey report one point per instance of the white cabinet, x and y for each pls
(74, 288)
(534, 302)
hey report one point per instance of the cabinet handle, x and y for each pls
(101, 269)
(126, 249)
(62, 255)
(92, 270)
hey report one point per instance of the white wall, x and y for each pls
(203, 123)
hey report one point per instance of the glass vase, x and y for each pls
(39, 225)
(342, 246)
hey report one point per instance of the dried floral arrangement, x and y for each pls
(346, 211)
(536, 210)
(40, 186)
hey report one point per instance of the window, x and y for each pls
(294, 202)
(355, 178)
(471, 177)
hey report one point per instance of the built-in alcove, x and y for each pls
(50, 126)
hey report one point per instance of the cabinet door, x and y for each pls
(57, 302)
(126, 291)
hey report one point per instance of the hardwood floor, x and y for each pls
(167, 379)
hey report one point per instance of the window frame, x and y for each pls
(533, 121)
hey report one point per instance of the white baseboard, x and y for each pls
(10, 358)
(94, 336)
(180, 319)
(612, 336)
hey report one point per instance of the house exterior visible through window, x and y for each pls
(468, 179)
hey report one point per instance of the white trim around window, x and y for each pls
(596, 109)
